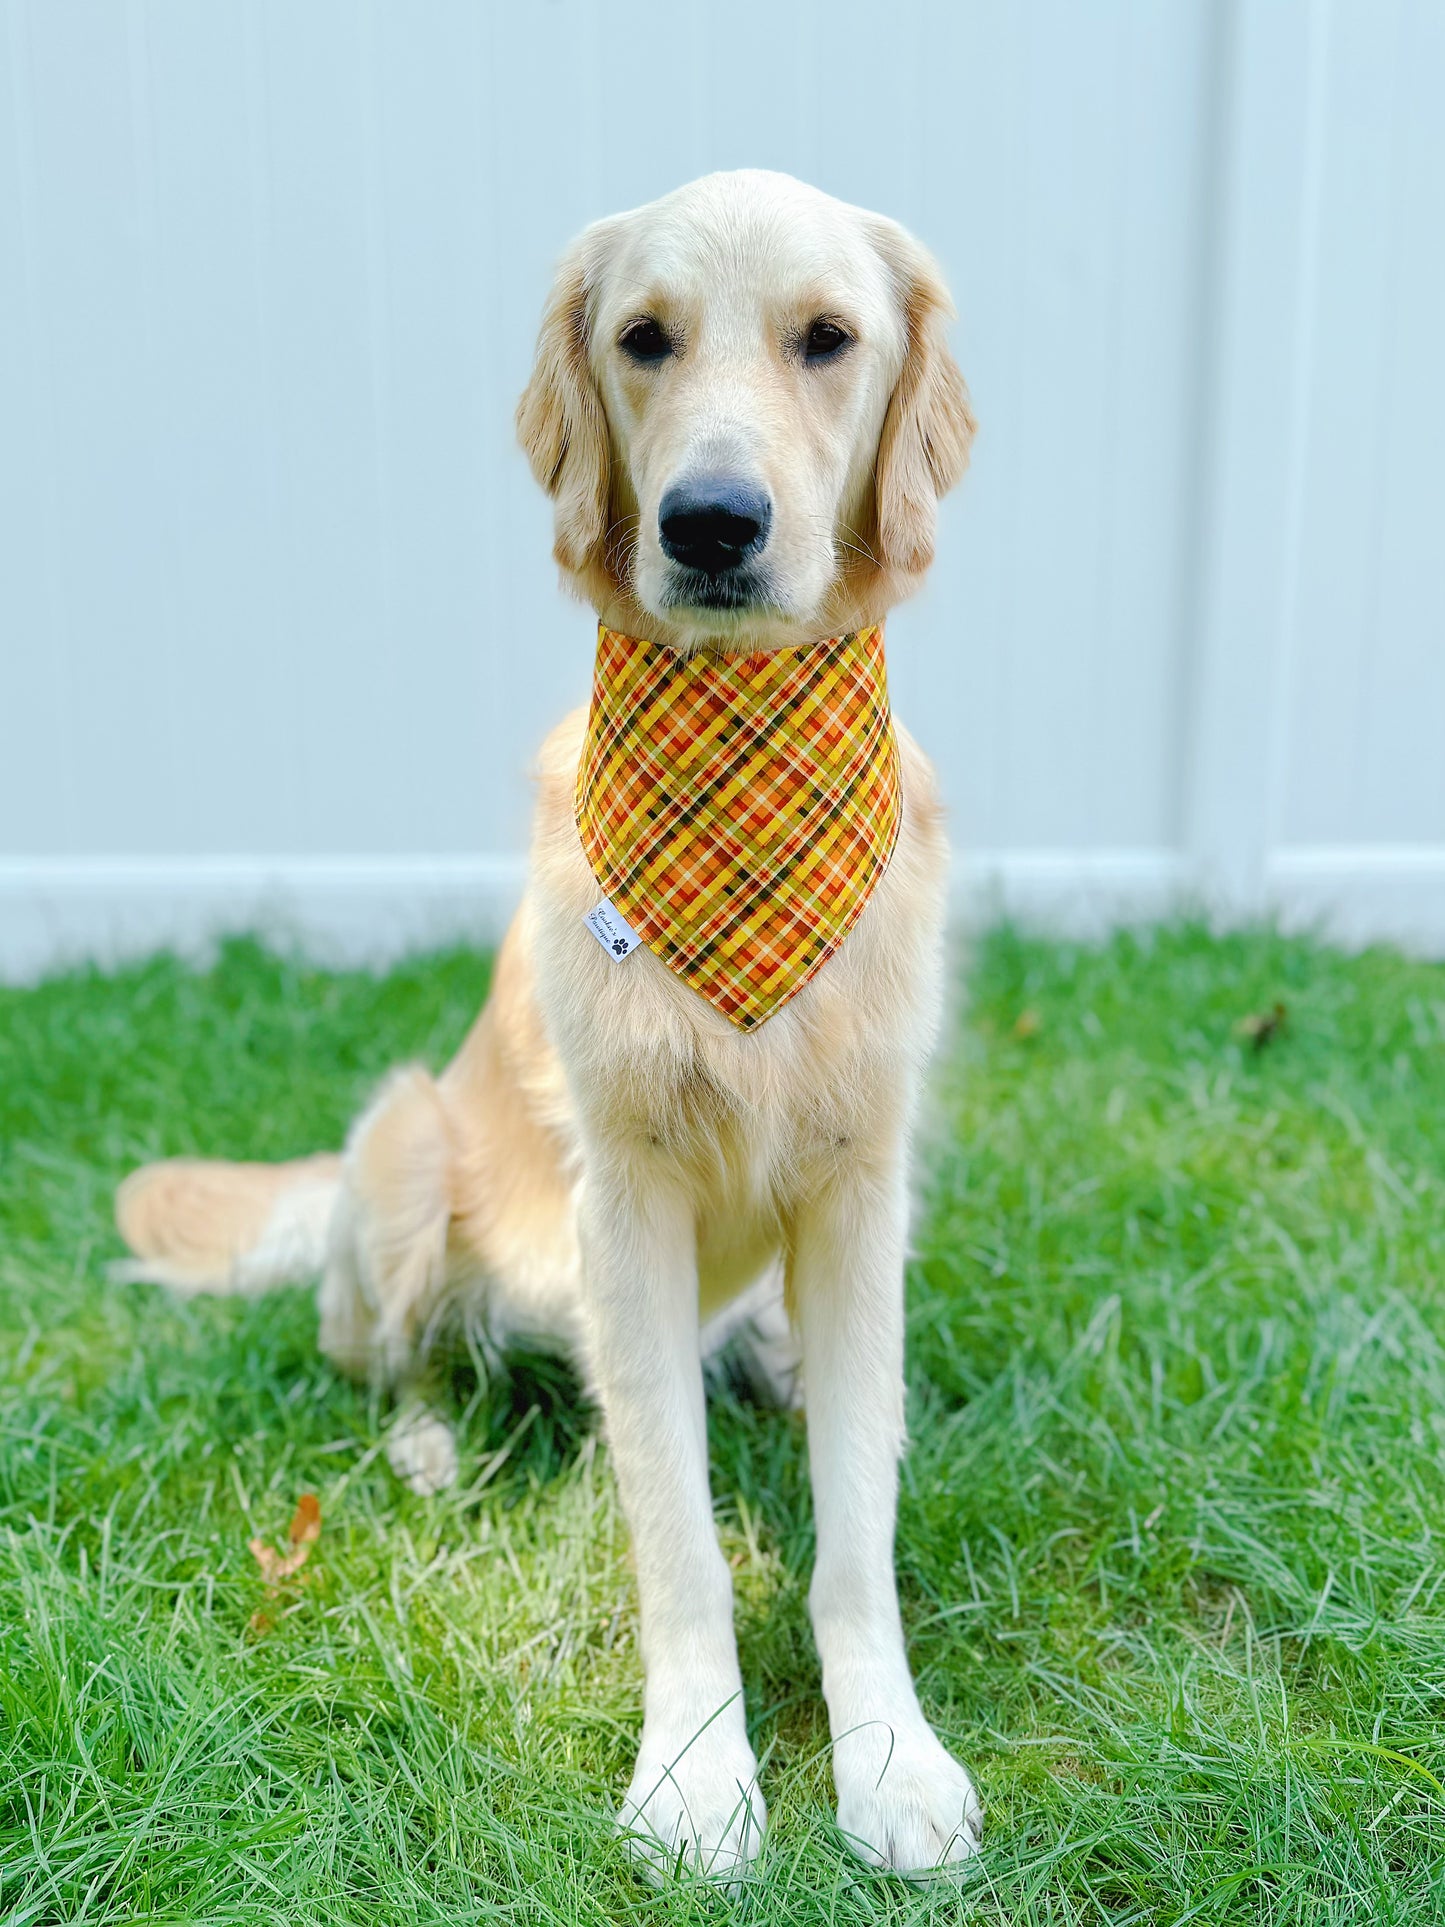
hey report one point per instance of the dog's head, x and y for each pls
(745, 412)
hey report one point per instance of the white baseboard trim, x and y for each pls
(343, 910)
(370, 910)
(1359, 894)
(1075, 893)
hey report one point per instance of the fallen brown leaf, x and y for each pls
(1261, 1027)
(278, 1567)
(306, 1520)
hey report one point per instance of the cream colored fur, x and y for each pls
(608, 1166)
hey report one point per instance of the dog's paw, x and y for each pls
(904, 1803)
(694, 1804)
(422, 1453)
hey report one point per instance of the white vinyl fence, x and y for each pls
(278, 627)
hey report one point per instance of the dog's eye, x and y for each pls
(645, 340)
(824, 340)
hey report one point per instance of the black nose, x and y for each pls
(713, 524)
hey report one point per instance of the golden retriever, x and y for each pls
(744, 411)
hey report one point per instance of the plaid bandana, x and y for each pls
(738, 811)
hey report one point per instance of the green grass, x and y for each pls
(1170, 1546)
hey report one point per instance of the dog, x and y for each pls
(744, 410)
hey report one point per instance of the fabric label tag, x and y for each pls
(612, 930)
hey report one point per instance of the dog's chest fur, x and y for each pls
(748, 1123)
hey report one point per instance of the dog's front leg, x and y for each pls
(902, 1800)
(694, 1793)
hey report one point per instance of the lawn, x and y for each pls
(1172, 1535)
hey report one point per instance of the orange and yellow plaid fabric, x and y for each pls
(739, 810)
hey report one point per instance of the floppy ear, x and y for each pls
(560, 420)
(928, 429)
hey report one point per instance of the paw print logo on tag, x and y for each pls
(612, 930)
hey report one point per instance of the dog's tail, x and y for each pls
(204, 1226)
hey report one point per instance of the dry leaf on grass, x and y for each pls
(1261, 1027)
(278, 1567)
